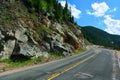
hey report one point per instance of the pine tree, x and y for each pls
(65, 11)
(59, 13)
(54, 8)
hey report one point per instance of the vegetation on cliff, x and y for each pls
(53, 7)
(33, 28)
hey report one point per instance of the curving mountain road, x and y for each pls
(94, 64)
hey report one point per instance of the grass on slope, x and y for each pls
(8, 64)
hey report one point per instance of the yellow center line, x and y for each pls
(69, 68)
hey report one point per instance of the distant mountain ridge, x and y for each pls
(100, 37)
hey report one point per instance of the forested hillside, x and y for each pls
(99, 37)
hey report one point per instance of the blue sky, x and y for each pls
(103, 14)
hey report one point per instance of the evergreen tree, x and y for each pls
(54, 8)
(59, 13)
(65, 11)
(42, 5)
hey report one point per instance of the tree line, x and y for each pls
(53, 7)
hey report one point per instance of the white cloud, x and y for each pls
(62, 3)
(75, 12)
(113, 10)
(99, 9)
(113, 25)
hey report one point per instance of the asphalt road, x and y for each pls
(94, 64)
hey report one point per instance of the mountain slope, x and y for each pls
(99, 37)
(28, 29)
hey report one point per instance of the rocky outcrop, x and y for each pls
(29, 51)
(22, 33)
(56, 44)
(19, 45)
(72, 39)
(60, 41)
(57, 28)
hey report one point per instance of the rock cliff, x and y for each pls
(24, 34)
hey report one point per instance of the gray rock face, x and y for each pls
(57, 45)
(72, 39)
(1, 35)
(57, 27)
(8, 49)
(62, 48)
(26, 50)
(19, 45)
(62, 41)
(20, 35)
(30, 51)
(45, 45)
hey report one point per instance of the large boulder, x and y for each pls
(64, 49)
(8, 49)
(29, 51)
